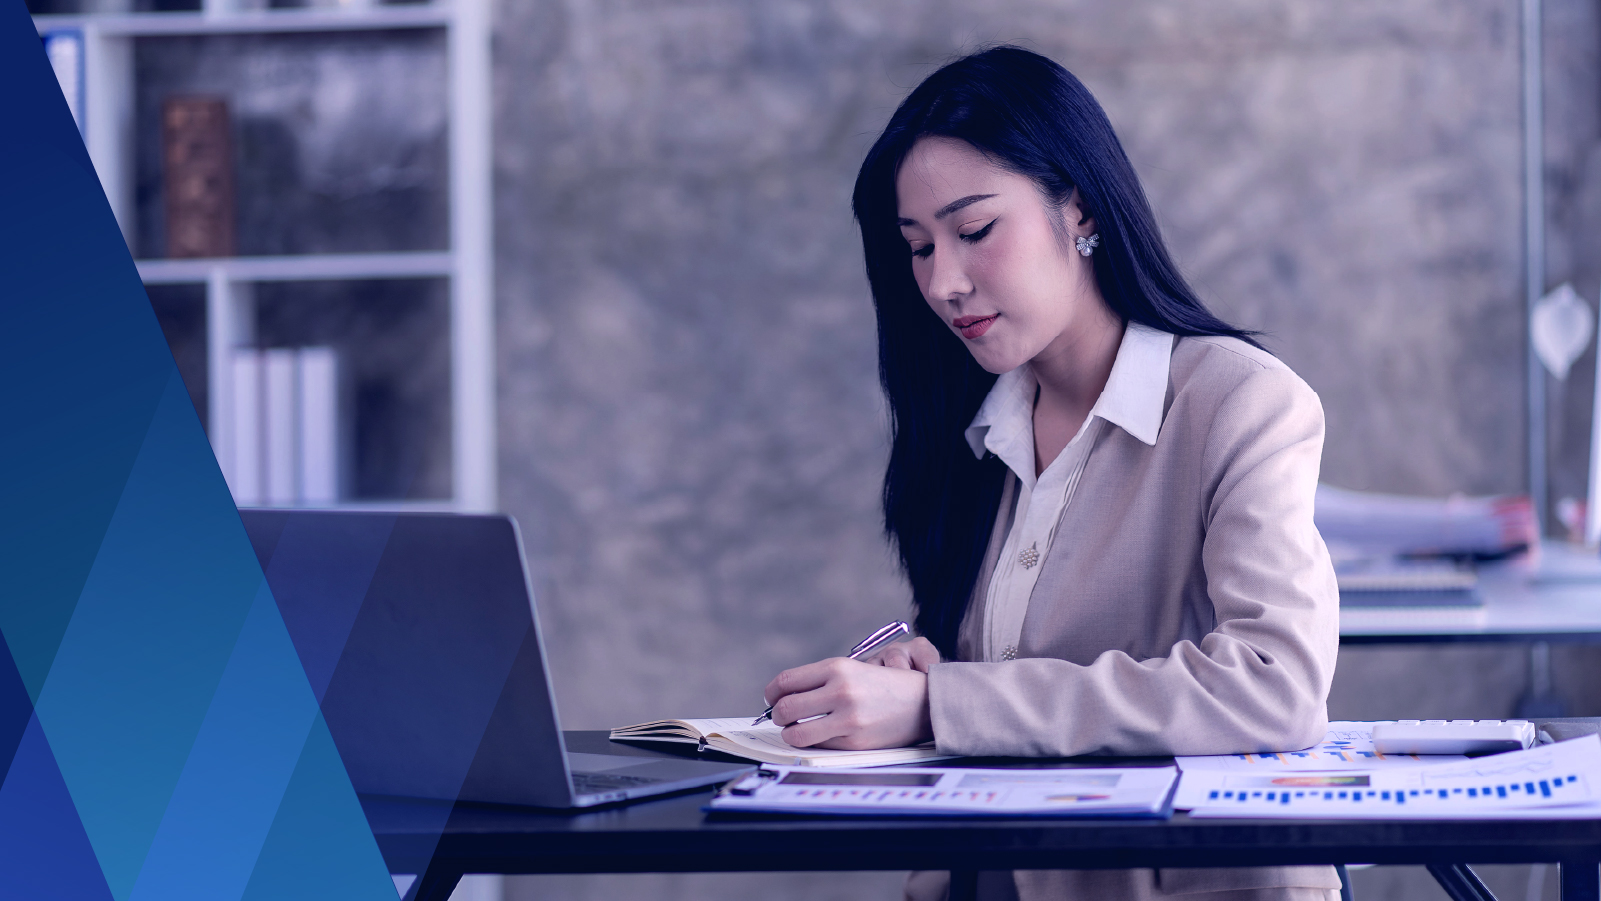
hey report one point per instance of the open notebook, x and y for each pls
(764, 743)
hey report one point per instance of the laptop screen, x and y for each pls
(417, 633)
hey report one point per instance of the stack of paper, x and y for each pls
(1557, 781)
(918, 791)
(1409, 583)
(1368, 524)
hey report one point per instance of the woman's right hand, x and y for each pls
(918, 654)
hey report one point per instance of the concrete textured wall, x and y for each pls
(690, 424)
(691, 432)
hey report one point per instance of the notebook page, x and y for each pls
(769, 737)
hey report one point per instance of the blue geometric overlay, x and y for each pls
(417, 696)
(160, 736)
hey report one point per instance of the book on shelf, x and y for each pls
(64, 48)
(286, 427)
(244, 470)
(279, 399)
(197, 172)
(765, 743)
(319, 425)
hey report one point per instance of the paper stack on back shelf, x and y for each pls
(1393, 551)
(1373, 525)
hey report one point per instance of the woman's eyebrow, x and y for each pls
(955, 205)
(949, 208)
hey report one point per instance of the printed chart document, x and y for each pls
(765, 743)
(1346, 747)
(918, 791)
(1557, 781)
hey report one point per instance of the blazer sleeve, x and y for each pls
(1257, 682)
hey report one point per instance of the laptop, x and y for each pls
(419, 636)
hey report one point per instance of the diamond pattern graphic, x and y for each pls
(16, 710)
(142, 657)
(258, 722)
(161, 738)
(45, 853)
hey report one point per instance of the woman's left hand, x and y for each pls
(860, 705)
(918, 654)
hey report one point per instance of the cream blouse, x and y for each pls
(1132, 400)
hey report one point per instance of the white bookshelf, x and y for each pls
(107, 122)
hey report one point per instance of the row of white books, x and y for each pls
(285, 410)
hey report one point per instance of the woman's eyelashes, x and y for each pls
(978, 235)
(923, 251)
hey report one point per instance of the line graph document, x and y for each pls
(927, 791)
(1346, 746)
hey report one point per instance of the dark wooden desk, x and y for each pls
(673, 835)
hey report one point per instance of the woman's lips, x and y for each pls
(974, 326)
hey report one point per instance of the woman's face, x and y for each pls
(987, 258)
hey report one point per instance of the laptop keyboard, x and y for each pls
(593, 783)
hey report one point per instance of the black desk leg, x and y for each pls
(433, 886)
(1461, 883)
(1581, 879)
(964, 885)
(1345, 881)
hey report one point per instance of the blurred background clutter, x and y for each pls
(592, 263)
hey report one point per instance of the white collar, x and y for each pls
(1132, 400)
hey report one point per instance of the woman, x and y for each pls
(1100, 492)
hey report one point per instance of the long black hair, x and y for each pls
(1031, 116)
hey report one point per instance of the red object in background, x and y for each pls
(197, 167)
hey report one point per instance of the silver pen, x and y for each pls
(866, 646)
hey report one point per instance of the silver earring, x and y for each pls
(1086, 246)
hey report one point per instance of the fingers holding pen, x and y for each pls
(849, 704)
(918, 654)
(821, 713)
(798, 679)
(924, 654)
(807, 695)
(810, 678)
(896, 656)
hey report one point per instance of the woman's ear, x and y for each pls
(1077, 219)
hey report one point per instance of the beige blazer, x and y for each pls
(1187, 605)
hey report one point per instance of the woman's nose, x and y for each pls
(948, 281)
